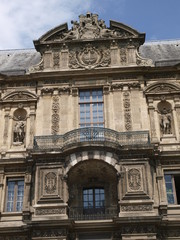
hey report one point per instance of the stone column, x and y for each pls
(6, 125)
(106, 91)
(154, 138)
(32, 126)
(1, 187)
(27, 189)
(75, 113)
(161, 190)
(177, 108)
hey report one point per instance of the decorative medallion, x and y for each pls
(134, 179)
(89, 57)
(50, 182)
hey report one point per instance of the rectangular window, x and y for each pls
(93, 200)
(91, 108)
(14, 195)
(172, 188)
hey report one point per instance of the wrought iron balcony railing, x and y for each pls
(79, 213)
(91, 135)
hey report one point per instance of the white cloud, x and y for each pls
(22, 21)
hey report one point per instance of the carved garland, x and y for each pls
(127, 111)
(55, 115)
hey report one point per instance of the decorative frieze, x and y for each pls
(127, 111)
(134, 208)
(55, 115)
(49, 233)
(138, 228)
(13, 237)
(50, 211)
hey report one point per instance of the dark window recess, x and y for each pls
(93, 201)
(173, 188)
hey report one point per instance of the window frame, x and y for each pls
(174, 188)
(91, 102)
(16, 180)
(95, 209)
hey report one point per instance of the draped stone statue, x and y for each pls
(19, 132)
(165, 122)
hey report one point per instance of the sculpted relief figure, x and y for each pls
(19, 132)
(165, 122)
(89, 27)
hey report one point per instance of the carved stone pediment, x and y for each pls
(159, 88)
(19, 96)
(89, 44)
(88, 27)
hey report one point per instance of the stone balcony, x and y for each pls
(92, 136)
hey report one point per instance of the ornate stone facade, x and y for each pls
(90, 139)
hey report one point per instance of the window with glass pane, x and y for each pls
(172, 188)
(93, 200)
(91, 108)
(15, 194)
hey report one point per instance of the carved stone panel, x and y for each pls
(134, 179)
(127, 111)
(50, 185)
(135, 182)
(55, 115)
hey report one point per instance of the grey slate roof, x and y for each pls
(16, 62)
(163, 53)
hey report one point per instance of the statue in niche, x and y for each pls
(19, 131)
(165, 121)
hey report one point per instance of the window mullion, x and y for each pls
(15, 196)
(174, 190)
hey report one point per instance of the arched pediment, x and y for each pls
(19, 96)
(89, 27)
(53, 33)
(158, 88)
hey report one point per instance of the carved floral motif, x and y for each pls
(56, 59)
(55, 115)
(127, 111)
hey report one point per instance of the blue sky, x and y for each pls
(22, 21)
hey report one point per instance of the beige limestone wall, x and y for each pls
(118, 114)
(140, 119)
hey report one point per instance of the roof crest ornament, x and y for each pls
(89, 27)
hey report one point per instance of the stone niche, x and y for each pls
(89, 44)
